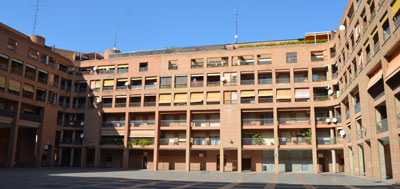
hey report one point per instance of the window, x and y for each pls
(3, 62)
(217, 62)
(180, 81)
(52, 98)
(30, 72)
(197, 63)
(317, 56)
(108, 85)
(12, 45)
(396, 13)
(56, 80)
(136, 83)
(95, 85)
(123, 68)
(40, 95)
(16, 66)
(2, 83)
(385, 27)
(247, 97)
(27, 91)
(375, 38)
(43, 76)
(62, 68)
(165, 82)
(143, 67)
(230, 97)
(14, 86)
(229, 79)
(213, 98)
(265, 96)
(173, 65)
(264, 59)
(150, 83)
(291, 57)
(33, 54)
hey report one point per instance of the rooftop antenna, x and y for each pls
(236, 23)
(36, 13)
(115, 39)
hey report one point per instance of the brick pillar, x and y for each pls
(188, 133)
(156, 139)
(14, 138)
(333, 152)
(125, 155)
(314, 140)
(276, 140)
(221, 160)
(239, 159)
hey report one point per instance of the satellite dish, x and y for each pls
(342, 27)
(330, 92)
(126, 84)
(223, 79)
(82, 135)
(328, 87)
(342, 133)
(98, 100)
(82, 123)
(71, 123)
(334, 120)
(94, 68)
(328, 120)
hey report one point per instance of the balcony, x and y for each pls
(17, 71)
(329, 140)
(282, 80)
(247, 81)
(357, 108)
(196, 84)
(213, 83)
(150, 86)
(120, 104)
(122, 87)
(134, 104)
(206, 122)
(108, 88)
(173, 141)
(264, 80)
(114, 123)
(300, 79)
(149, 104)
(204, 142)
(319, 78)
(140, 123)
(265, 99)
(107, 105)
(295, 141)
(30, 117)
(197, 65)
(321, 120)
(321, 97)
(30, 75)
(27, 94)
(258, 121)
(294, 121)
(7, 113)
(258, 141)
(136, 87)
(382, 126)
(170, 122)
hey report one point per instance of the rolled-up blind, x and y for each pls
(196, 97)
(302, 93)
(247, 93)
(165, 98)
(180, 98)
(395, 8)
(263, 93)
(181, 80)
(28, 88)
(284, 94)
(165, 80)
(14, 85)
(2, 82)
(213, 97)
(108, 83)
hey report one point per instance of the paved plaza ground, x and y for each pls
(111, 178)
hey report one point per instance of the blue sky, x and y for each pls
(89, 25)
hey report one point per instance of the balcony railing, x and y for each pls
(120, 104)
(203, 122)
(70, 141)
(317, 58)
(197, 65)
(258, 121)
(171, 141)
(321, 120)
(152, 86)
(135, 87)
(247, 81)
(283, 80)
(196, 84)
(213, 83)
(105, 71)
(108, 88)
(217, 64)
(16, 71)
(7, 113)
(319, 78)
(258, 141)
(295, 141)
(143, 69)
(321, 98)
(264, 80)
(42, 79)
(382, 126)
(294, 121)
(27, 94)
(171, 122)
(265, 99)
(107, 105)
(203, 141)
(329, 140)
(265, 61)
(248, 100)
(134, 104)
(138, 123)
(30, 75)
(114, 123)
(357, 107)
(122, 87)
(149, 103)
(30, 117)
(300, 79)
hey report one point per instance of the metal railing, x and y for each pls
(114, 123)
(16, 70)
(248, 100)
(122, 87)
(197, 65)
(329, 140)
(149, 103)
(265, 61)
(105, 71)
(7, 113)
(120, 104)
(152, 86)
(217, 64)
(247, 81)
(321, 98)
(283, 80)
(213, 83)
(134, 87)
(142, 69)
(203, 122)
(196, 83)
(319, 78)
(134, 104)
(30, 117)
(27, 94)
(265, 99)
(107, 105)
(138, 123)
(258, 141)
(171, 122)
(295, 141)
(258, 121)
(382, 126)
(264, 80)
(293, 121)
(42, 79)
(77, 140)
(108, 88)
(300, 79)
(30, 75)
(321, 120)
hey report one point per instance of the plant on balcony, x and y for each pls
(258, 139)
(306, 134)
(118, 141)
(144, 142)
(176, 143)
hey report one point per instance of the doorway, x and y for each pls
(246, 163)
(322, 165)
(144, 162)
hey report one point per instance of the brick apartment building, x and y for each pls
(327, 103)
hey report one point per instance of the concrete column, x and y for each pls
(314, 140)
(97, 154)
(60, 156)
(71, 161)
(83, 156)
(381, 152)
(276, 140)
(156, 140)
(14, 138)
(333, 152)
(221, 160)
(125, 155)
(188, 133)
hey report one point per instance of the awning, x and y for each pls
(106, 67)
(123, 66)
(151, 78)
(43, 71)
(283, 94)
(366, 44)
(393, 67)
(144, 133)
(14, 85)
(247, 93)
(197, 75)
(17, 61)
(136, 78)
(196, 97)
(374, 32)
(262, 93)
(213, 74)
(108, 83)
(302, 93)
(375, 78)
(395, 8)
(180, 98)
(29, 66)
(384, 19)
(121, 96)
(28, 88)
(122, 80)
(2, 82)
(213, 97)
(97, 84)
(165, 98)
(4, 56)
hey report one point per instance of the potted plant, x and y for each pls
(306, 135)
(258, 139)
